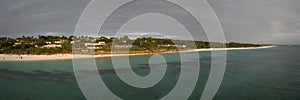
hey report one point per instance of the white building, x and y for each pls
(94, 45)
(122, 46)
(51, 46)
(57, 42)
(170, 45)
(48, 42)
(17, 43)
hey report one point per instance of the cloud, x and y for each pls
(20, 5)
(257, 21)
(35, 17)
(148, 34)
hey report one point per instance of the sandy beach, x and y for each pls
(14, 57)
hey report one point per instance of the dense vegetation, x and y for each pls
(34, 45)
(27, 45)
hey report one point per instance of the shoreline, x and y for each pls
(15, 57)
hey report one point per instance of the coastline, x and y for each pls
(15, 57)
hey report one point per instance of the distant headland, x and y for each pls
(62, 47)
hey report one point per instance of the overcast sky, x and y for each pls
(255, 21)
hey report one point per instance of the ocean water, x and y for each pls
(262, 74)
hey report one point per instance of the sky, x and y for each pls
(251, 21)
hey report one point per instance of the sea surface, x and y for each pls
(257, 74)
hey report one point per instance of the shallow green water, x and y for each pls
(272, 74)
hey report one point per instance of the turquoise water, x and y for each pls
(272, 74)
